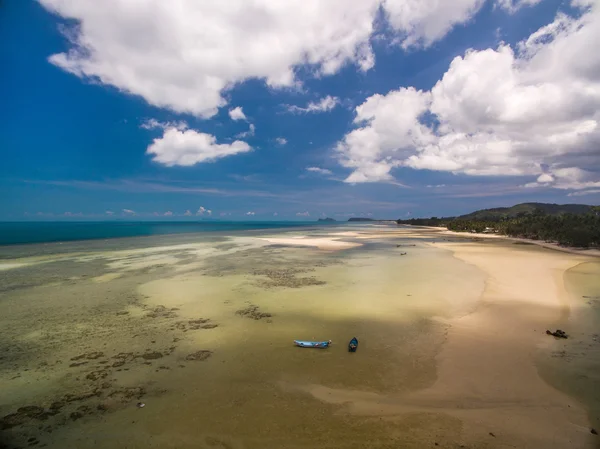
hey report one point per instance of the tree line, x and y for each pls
(578, 230)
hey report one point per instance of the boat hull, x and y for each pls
(312, 344)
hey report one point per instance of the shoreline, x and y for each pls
(451, 339)
(592, 252)
(487, 374)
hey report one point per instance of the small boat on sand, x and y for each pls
(353, 345)
(312, 344)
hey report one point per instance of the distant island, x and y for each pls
(361, 219)
(326, 219)
(575, 225)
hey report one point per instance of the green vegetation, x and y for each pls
(523, 209)
(361, 219)
(570, 225)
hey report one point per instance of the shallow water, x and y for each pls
(573, 365)
(113, 328)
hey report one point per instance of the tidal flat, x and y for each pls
(187, 342)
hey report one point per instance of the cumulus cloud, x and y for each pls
(530, 111)
(128, 212)
(182, 55)
(202, 211)
(303, 214)
(281, 141)
(249, 133)
(321, 171)
(155, 124)
(584, 192)
(187, 213)
(250, 213)
(191, 147)
(168, 213)
(513, 6)
(389, 131)
(109, 212)
(275, 214)
(323, 105)
(237, 114)
(421, 23)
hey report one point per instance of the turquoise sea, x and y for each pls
(15, 233)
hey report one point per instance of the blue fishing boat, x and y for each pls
(353, 345)
(312, 344)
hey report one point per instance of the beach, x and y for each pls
(453, 350)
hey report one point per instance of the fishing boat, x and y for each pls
(353, 345)
(312, 344)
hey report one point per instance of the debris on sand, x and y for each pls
(199, 356)
(558, 333)
(594, 431)
(253, 312)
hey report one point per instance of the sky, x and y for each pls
(295, 109)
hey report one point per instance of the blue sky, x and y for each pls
(129, 110)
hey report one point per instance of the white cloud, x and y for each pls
(168, 213)
(323, 105)
(109, 212)
(184, 54)
(237, 114)
(513, 6)
(321, 171)
(128, 212)
(494, 112)
(584, 192)
(250, 213)
(390, 131)
(249, 133)
(191, 147)
(423, 22)
(571, 178)
(303, 214)
(155, 124)
(275, 214)
(281, 140)
(202, 210)
(187, 213)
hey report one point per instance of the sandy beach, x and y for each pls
(453, 351)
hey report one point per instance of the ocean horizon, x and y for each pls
(28, 232)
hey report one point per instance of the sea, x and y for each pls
(18, 233)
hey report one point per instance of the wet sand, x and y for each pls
(452, 344)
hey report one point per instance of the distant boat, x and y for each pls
(312, 344)
(353, 345)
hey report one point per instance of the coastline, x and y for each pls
(555, 246)
(453, 345)
(487, 373)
